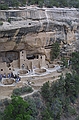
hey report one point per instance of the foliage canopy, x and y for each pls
(60, 95)
(17, 110)
(55, 50)
(4, 4)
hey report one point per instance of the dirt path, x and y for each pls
(29, 94)
(36, 83)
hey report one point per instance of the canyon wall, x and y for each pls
(35, 29)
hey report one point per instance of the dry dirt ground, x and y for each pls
(35, 81)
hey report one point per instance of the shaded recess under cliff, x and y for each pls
(36, 29)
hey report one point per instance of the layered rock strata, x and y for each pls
(35, 29)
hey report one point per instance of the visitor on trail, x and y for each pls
(68, 62)
(0, 77)
(4, 75)
(9, 76)
(17, 79)
(12, 75)
(23, 66)
(15, 76)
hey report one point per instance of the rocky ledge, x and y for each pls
(35, 27)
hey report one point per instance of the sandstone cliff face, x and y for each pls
(36, 28)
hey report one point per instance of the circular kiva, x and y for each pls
(51, 66)
(37, 71)
(8, 81)
(22, 72)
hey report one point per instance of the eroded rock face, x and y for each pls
(35, 28)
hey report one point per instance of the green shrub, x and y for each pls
(6, 101)
(71, 110)
(65, 62)
(32, 106)
(3, 6)
(60, 95)
(17, 91)
(45, 91)
(1, 23)
(23, 90)
(1, 115)
(26, 89)
(77, 118)
(75, 61)
(17, 110)
(40, 3)
(9, 20)
(46, 115)
(55, 50)
(1, 103)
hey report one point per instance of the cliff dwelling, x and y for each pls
(26, 41)
(10, 60)
(39, 60)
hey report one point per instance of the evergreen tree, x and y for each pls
(17, 110)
